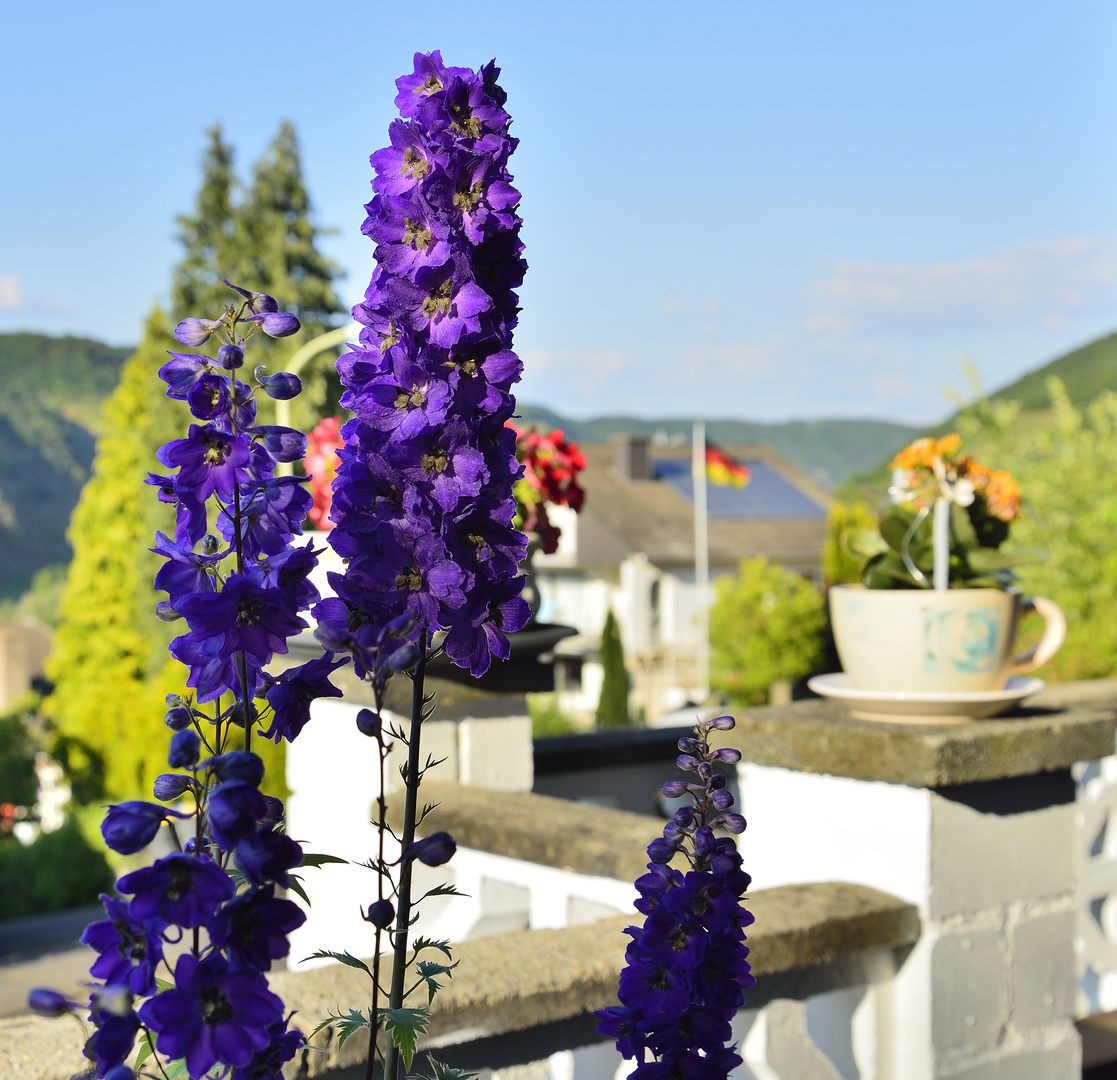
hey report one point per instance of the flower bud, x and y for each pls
(733, 823)
(258, 302)
(331, 638)
(380, 913)
(277, 323)
(686, 763)
(130, 826)
(195, 332)
(178, 718)
(400, 626)
(282, 443)
(164, 612)
(185, 749)
(674, 789)
(722, 799)
(210, 544)
(716, 782)
(704, 841)
(49, 1002)
(404, 658)
(369, 723)
(719, 723)
(282, 385)
(727, 755)
(171, 786)
(433, 850)
(684, 816)
(172, 701)
(237, 765)
(230, 357)
(273, 809)
(690, 746)
(661, 850)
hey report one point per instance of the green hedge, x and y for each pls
(59, 870)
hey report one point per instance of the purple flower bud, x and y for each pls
(282, 385)
(178, 718)
(404, 658)
(719, 723)
(433, 850)
(284, 444)
(259, 303)
(173, 701)
(727, 755)
(674, 789)
(273, 809)
(687, 763)
(661, 850)
(722, 799)
(716, 782)
(704, 770)
(733, 823)
(690, 746)
(230, 357)
(237, 765)
(185, 749)
(704, 841)
(210, 544)
(277, 323)
(49, 1002)
(130, 826)
(170, 786)
(400, 626)
(194, 332)
(380, 913)
(331, 638)
(684, 816)
(165, 612)
(369, 723)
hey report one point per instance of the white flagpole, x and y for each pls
(701, 555)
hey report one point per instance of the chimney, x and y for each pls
(631, 457)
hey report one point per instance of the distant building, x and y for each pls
(23, 651)
(632, 549)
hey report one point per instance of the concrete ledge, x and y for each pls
(821, 737)
(532, 977)
(537, 828)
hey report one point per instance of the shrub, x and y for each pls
(547, 719)
(60, 870)
(612, 706)
(767, 623)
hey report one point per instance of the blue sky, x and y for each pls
(753, 209)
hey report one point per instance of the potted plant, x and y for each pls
(938, 607)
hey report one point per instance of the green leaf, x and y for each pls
(164, 984)
(342, 958)
(863, 543)
(346, 1025)
(962, 528)
(404, 1026)
(295, 884)
(443, 946)
(321, 860)
(428, 969)
(441, 890)
(987, 560)
(445, 1072)
(175, 1069)
(147, 1047)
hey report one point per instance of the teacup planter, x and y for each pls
(957, 641)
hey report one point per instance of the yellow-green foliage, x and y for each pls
(767, 623)
(1067, 472)
(839, 565)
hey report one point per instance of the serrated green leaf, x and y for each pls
(404, 1026)
(347, 1025)
(442, 890)
(295, 884)
(321, 860)
(348, 959)
(428, 969)
(147, 1047)
(445, 1072)
(443, 946)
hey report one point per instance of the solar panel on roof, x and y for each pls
(766, 496)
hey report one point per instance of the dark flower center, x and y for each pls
(390, 338)
(249, 612)
(465, 123)
(659, 980)
(214, 453)
(132, 945)
(414, 399)
(416, 235)
(411, 579)
(467, 200)
(215, 1006)
(181, 882)
(437, 461)
(432, 84)
(414, 164)
(468, 366)
(439, 301)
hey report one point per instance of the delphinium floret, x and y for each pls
(232, 574)
(686, 969)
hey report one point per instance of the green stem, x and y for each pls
(403, 898)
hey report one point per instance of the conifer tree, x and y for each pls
(612, 706)
(109, 662)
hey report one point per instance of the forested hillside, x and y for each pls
(49, 417)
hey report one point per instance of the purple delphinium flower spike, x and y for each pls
(686, 969)
(430, 381)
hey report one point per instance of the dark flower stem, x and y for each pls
(407, 837)
(374, 1015)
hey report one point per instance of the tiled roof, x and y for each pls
(767, 496)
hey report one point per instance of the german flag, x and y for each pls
(722, 469)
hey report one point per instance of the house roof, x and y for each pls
(784, 516)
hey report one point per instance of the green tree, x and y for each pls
(767, 623)
(612, 706)
(840, 566)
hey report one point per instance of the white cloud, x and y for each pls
(1048, 284)
(11, 293)
(892, 386)
(750, 360)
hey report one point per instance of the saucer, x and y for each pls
(916, 708)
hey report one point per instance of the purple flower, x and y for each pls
(213, 1015)
(209, 397)
(130, 826)
(290, 695)
(186, 571)
(237, 765)
(195, 332)
(209, 461)
(182, 889)
(181, 372)
(266, 855)
(130, 952)
(253, 927)
(267, 1064)
(232, 811)
(170, 786)
(258, 303)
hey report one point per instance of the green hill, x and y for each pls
(1085, 372)
(826, 450)
(49, 420)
